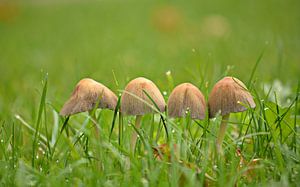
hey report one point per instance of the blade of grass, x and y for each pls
(46, 130)
(254, 68)
(120, 128)
(163, 121)
(55, 128)
(13, 145)
(115, 117)
(139, 134)
(151, 128)
(37, 125)
(158, 131)
(65, 122)
(278, 118)
(295, 117)
(115, 78)
(23, 122)
(204, 129)
(2, 140)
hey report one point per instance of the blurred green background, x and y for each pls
(198, 41)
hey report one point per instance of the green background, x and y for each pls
(71, 40)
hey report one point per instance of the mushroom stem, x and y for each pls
(221, 134)
(138, 120)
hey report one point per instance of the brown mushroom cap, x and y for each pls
(186, 97)
(86, 95)
(133, 98)
(229, 95)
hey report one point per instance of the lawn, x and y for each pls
(46, 47)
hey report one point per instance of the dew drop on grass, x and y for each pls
(37, 157)
(57, 161)
(2, 140)
(168, 73)
(15, 165)
(41, 169)
(173, 131)
(206, 84)
(165, 93)
(215, 167)
(145, 182)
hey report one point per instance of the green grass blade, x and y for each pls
(295, 117)
(163, 120)
(37, 126)
(254, 68)
(115, 117)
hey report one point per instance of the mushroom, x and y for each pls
(185, 97)
(229, 95)
(87, 95)
(135, 101)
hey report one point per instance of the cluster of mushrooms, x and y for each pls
(141, 96)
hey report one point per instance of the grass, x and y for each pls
(47, 47)
(75, 156)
